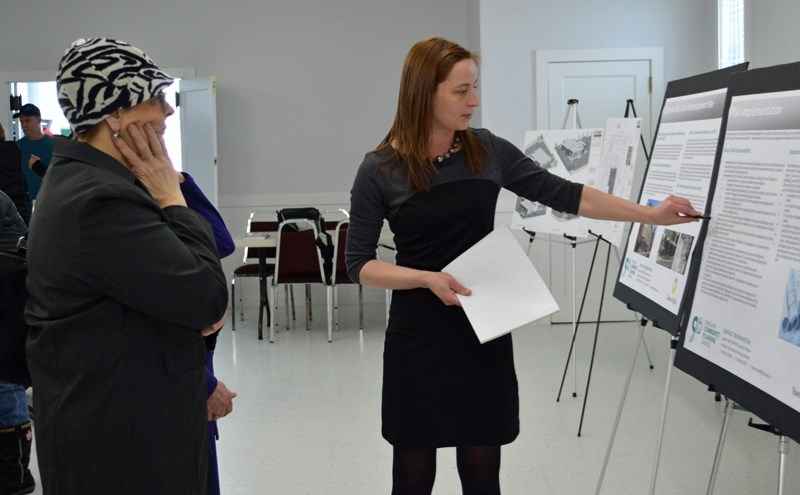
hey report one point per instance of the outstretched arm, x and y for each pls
(601, 206)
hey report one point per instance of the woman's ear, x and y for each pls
(113, 123)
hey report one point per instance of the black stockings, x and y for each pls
(479, 469)
(414, 470)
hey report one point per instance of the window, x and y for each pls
(730, 32)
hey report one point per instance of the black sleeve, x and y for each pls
(39, 168)
(367, 212)
(525, 178)
(162, 263)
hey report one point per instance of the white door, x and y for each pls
(198, 111)
(602, 81)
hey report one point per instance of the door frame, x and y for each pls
(543, 58)
(8, 77)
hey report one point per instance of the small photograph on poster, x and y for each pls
(644, 239)
(538, 151)
(529, 209)
(674, 250)
(574, 151)
(790, 319)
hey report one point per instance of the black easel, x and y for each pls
(599, 238)
(629, 107)
(643, 322)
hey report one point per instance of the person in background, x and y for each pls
(12, 179)
(15, 425)
(220, 399)
(437, 180)
(119, 306)
(36, 148)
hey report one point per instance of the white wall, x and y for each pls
(512, 29)
(305, 87)
(773, 32)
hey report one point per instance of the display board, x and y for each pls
(741, 330)
(657, 260)
(602, 158)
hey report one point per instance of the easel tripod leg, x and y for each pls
(673, 347)
(580, 311)
(728, 411)
(596, 334)
(619, 411)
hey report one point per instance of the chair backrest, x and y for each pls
(257, 223)
(339, 275)
(298, 259)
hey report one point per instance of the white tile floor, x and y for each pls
(307, 419)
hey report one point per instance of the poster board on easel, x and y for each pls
(604, 158)
(657, 260)
(740, 333)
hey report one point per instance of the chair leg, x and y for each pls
(308, 303)
(336, 308)
(263, 303)
(241, 303)
(272, 327)
(269, 311)
(360, 307)
(388, 304)
(330, 291)
(291, 293)
(233, 304)
(287, 309)
(308, 307)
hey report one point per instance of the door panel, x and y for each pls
(198, 111)
(602, 88)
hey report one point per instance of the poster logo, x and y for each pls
(697, 327)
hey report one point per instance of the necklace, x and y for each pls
(453, 149)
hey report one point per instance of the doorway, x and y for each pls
(43, 94)
(602, 81)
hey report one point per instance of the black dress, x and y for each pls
(441, 387)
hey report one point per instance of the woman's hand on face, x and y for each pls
(150, 164)
(445, 286)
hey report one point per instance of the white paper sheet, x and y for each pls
(507, 291)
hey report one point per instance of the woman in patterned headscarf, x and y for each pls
(124, 281)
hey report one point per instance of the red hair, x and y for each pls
(427, 64)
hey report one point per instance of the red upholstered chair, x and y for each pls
(339, 274)
(298, 261)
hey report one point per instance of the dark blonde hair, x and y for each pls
(427, 64)
(2, 133)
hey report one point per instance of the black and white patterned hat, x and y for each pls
(98, 76)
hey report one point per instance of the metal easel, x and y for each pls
(783, 446)
(572, 109)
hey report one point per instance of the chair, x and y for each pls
(298, 261)
(339, 274)
(250, 268)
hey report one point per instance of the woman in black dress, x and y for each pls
(436, 181)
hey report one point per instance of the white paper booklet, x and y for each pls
(507, 291)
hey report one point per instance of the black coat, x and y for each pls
(13, 295)
(12, 180)
(119, 290)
